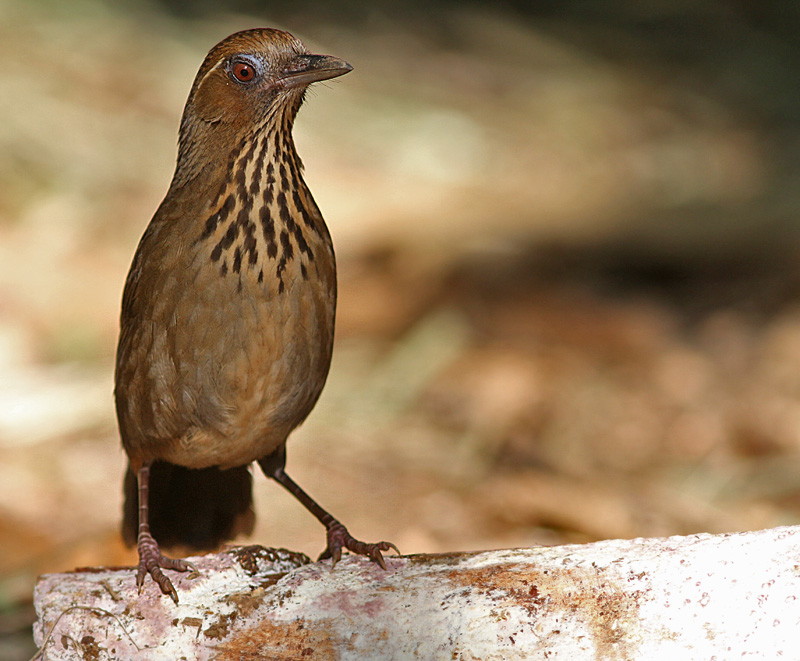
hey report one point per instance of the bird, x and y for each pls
(228, 310)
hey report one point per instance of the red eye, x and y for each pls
(243, 72)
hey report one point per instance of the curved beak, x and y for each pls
(306, 69)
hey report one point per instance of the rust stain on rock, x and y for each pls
(279, 642)
(254, 558)
(244, 602)
(609, 610)
(196, 622)
(90, 650)
(437, 560)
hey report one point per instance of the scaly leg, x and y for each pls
(151, 561)
(338, 536)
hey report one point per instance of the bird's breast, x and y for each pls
(230, 344)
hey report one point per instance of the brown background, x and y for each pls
(568, 238)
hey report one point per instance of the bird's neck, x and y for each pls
(261, 219)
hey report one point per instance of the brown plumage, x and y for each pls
(228, 310)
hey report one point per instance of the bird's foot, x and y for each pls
(339, 538)
(152, 562)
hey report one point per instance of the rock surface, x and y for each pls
(700, 597)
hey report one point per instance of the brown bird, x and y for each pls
(228, 311)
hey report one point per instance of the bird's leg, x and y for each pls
(150, 559)
(338, 536)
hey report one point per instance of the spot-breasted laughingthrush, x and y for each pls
(228, 310)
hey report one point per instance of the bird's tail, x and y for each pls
(199, 509)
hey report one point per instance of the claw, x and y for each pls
(151, 561)
(339, 537)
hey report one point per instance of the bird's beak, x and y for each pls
(307, 69)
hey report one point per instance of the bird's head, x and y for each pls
(248, 80)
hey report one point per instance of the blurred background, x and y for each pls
(568, 240)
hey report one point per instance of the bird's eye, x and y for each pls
(244, 72)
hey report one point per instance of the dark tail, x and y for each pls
(199, 509)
